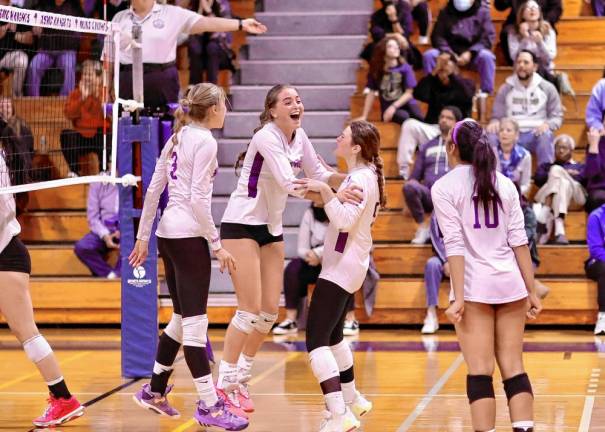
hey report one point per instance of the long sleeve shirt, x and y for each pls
(459, 93)
(102, 208)
(311, 235)
(267, 177)
(485, 237)
(541, 175)
(595, 234)
(188, 168)
(546, 51)
(86, 114)
(349, 236)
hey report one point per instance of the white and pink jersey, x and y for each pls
(349, 236)
(485, 237)
(267, 177)
(9, 226)
(189, 169)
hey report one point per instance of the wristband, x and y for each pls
(240, 25)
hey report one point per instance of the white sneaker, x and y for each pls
(112, 276)
(342, 423)
(286, 327)
(423, 40)
(404, 171)
(351, 328)
(423, 234)
(431, 324)
(599, 328)
(360, 406)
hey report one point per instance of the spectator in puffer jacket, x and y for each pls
(430, 165)
(533, 103)
(465, 29)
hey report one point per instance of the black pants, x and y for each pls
(187, 267)
(595, 199)
(160, 87)
(409, 110)
(595, 270)
(421, 16)
(297, 277)
(74, 145)
(327, 313)
(206, 55)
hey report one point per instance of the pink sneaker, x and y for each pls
(59, 411)
(244, 398)
(232, 402)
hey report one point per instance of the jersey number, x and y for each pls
(488, 221)
(173, 170)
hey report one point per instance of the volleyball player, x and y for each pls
(16, 303)
(345, 263)
(187, 165)
(491, 274)
(252, 232)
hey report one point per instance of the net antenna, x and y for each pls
(46, 112)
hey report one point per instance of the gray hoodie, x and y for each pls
(530, 106)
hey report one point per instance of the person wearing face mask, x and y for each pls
(561, 184)
(443, 87)
(513, 160)
(392, 79)
(533, 103)
(429, 166)
(464, 28)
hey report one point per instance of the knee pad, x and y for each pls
(323, 364)
(517, 384)
(265, 322)
(174, 329)
(479, 387)
(37, 348)
(244, 321)
(195, 329)
(343, 355)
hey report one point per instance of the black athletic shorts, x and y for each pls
(15, 257)
(259, 233)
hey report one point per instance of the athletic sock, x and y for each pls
(227, 375)
(205, 390)
(335, 403)
(523, 426)
(58, 388)
(348, 391)
(244, 367)
(168, 348)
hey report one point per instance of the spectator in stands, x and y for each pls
(430, 165)
(513, 160)
(443, 87)
(113, 7)
(210, 52)
(15, 40)
(56, 48)
(595, 265)
(392, 79)
(551, 10)
(533, 33)
(104, 235)
(84, 107)
(598, 7)
(464, 28)
(435, 269)
(594, 171)
(595, 160)
(560, 185)
(393, 18)
(533, 103)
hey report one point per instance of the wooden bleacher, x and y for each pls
(62, 292)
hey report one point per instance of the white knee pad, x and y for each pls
(37, 348)
(265, 322)
(343, 355)
(174, 329)
(244, 321)
(323, 364)
(195, 329)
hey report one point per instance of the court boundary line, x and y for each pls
(431, 394)
(586, 414)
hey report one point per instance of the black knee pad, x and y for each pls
(479, 387)
(517, 384)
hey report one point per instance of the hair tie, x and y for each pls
(186, 105)
(455, 131)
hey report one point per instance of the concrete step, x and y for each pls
(296, 72)
(326, 124)
(229, 149)
(305, 47)
(314, 97)
(316, 5)
(351, 22)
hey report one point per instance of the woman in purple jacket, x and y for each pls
(595, 265)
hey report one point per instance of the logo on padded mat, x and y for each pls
(139, 280)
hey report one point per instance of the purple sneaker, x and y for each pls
(217, 415)
(155, 402)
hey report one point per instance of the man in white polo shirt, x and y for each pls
(161, 25)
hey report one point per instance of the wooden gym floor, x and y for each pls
(416, 383)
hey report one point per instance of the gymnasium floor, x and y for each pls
(416, 384)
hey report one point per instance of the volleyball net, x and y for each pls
(59, 99)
